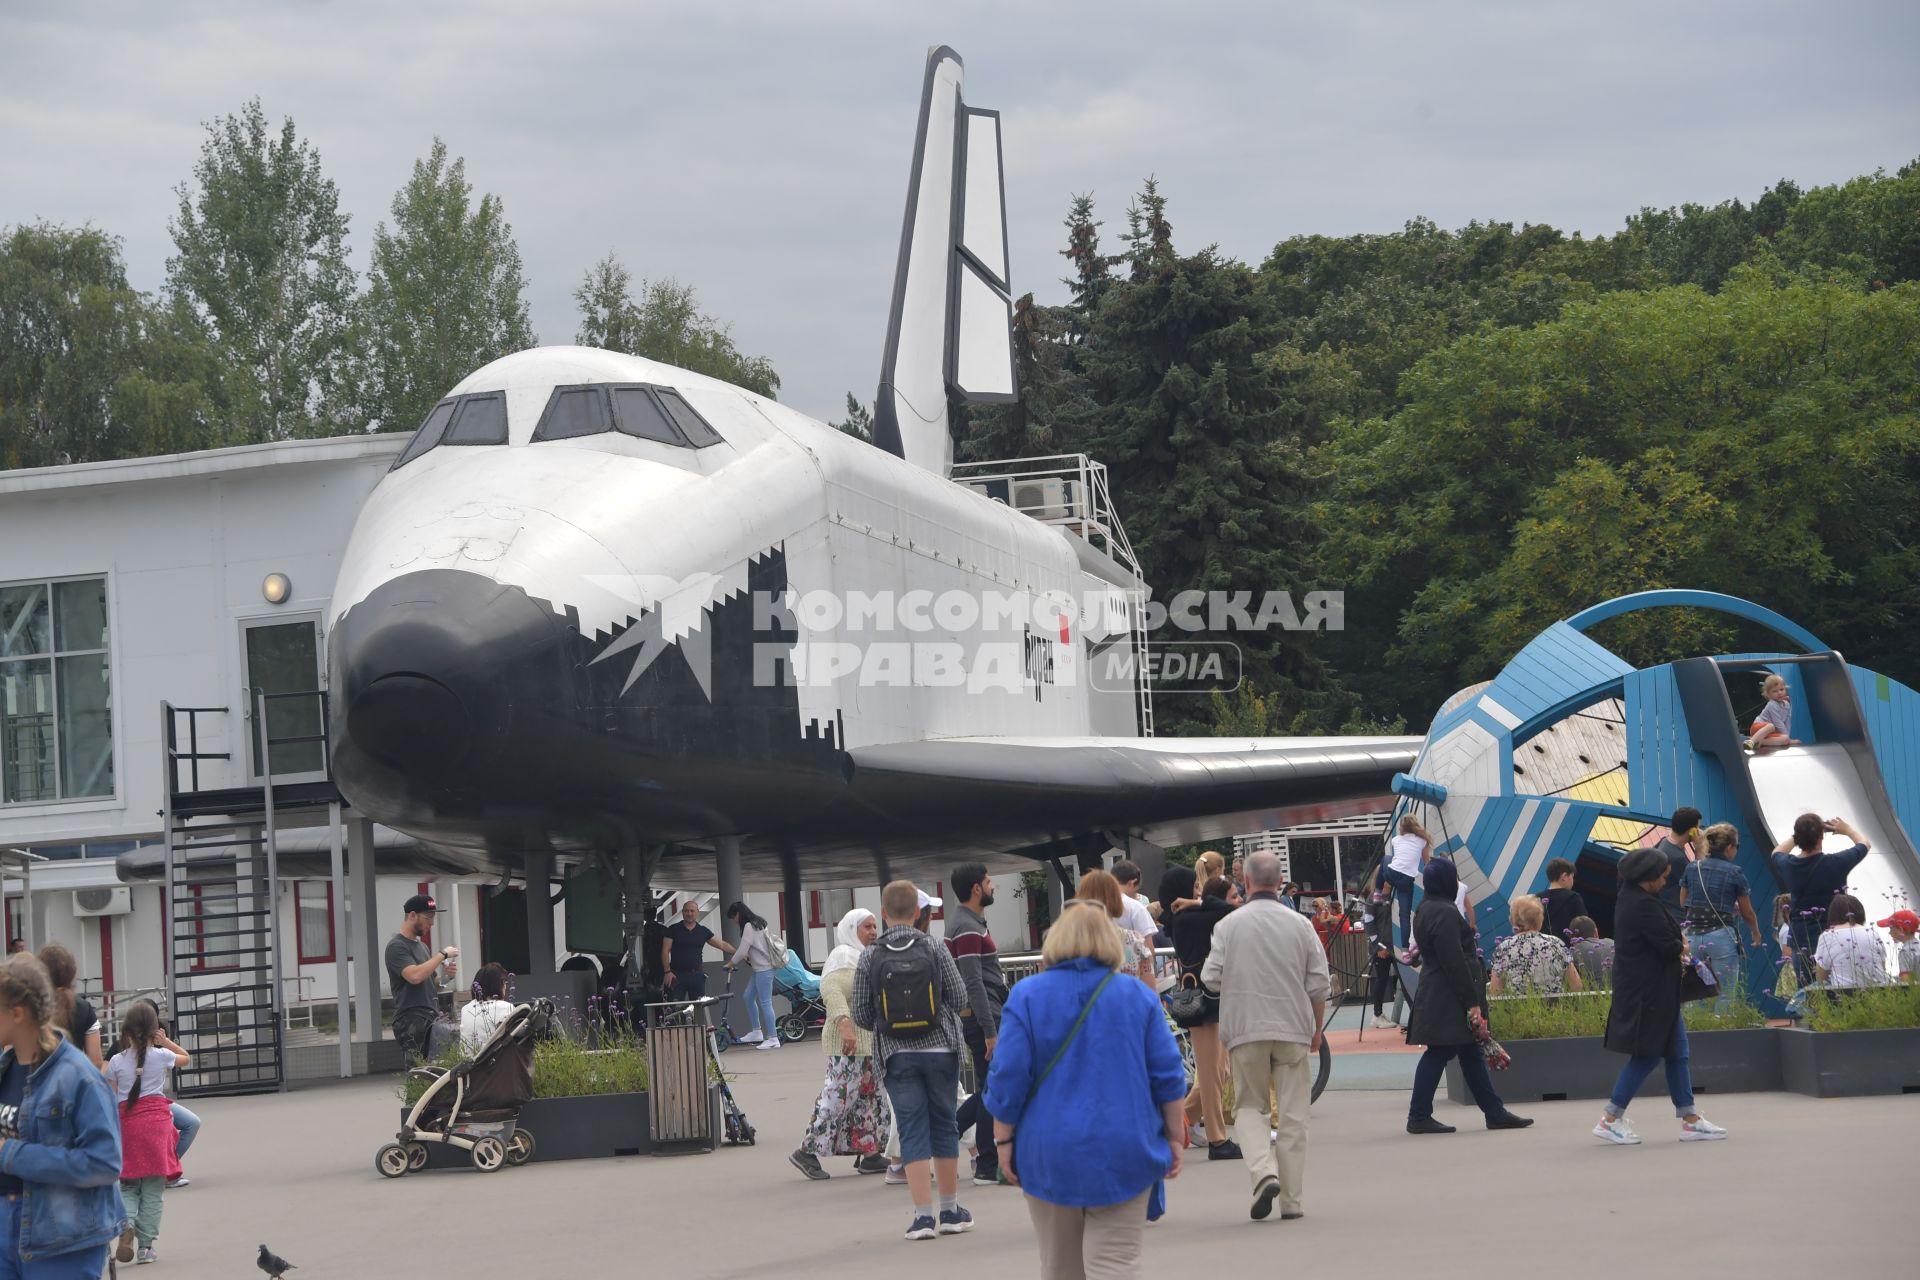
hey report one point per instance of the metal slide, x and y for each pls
(1822, 779)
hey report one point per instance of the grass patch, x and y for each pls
(1585, 1014)
(1865, 1008)
(1529, 1017)
(565, 1068)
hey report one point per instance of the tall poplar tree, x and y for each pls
(664, 323)
(445, 294)
(260, 256)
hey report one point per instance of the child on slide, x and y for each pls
(1773, 727)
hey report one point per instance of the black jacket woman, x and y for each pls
(1452, 990)
(1649, 953)
(1191, 927)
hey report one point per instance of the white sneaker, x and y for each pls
(1196, 1135)
(1617, 1130)
(768, 1044)
(752, 1037)
(1700, 1129)
(1385, 1024)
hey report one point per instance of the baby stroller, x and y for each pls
(801, 986)
(474, 1105)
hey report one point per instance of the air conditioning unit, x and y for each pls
(994, 487)
(103, 900)
(1050, 498)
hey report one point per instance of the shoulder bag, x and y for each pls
(1698, 981)
(1188, 1004)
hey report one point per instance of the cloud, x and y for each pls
(759, 151)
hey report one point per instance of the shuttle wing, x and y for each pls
(1169, 790)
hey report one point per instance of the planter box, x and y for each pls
(1579, 1067)
(605, 1124)
(1849, 1064)
(591, 1127)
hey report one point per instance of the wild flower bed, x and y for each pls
(565, 1068)
(1864, 1009)
(1585, 1014)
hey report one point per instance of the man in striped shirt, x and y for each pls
(979, 961)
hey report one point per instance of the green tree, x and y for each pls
(260, 255)
(1025, 428)
(1534, 471)
(445, 294)
(89, 368)
(1189, 418)
(859, 421)
(666, 324)
(608, 316)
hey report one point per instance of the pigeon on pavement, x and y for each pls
(273, 1264)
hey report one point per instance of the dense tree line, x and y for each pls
(264, 331)
(1476, 432)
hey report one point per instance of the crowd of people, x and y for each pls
(905, 1012)
(903, 1009)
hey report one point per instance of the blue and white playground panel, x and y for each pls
(1678, 741)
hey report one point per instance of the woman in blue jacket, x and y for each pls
(1075, 1032)
(59, 1140)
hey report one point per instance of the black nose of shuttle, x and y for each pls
(425, 672)
(407, 719)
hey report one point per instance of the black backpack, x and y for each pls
(906, 982)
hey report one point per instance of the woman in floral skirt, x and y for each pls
(850, 1118)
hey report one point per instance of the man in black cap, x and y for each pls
(412, 970)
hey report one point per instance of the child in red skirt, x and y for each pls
(138, 1074)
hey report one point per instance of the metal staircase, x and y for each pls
(222, 898)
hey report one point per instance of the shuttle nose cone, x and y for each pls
(427, 671)
(406, 719)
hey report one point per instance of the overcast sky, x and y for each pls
(759, 151)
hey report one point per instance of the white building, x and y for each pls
(191, 580)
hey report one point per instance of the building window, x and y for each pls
(216, 934)
(283, 658)
(832, 904)
(313, 920)
(1310, 864)
(13, 920)
(56, 705)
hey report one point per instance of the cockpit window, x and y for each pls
(644, 412)
(482, 419)
(640, 415)
(429, 433)
(688, 421)
(574, 411)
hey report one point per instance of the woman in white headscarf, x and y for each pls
(850, 1118)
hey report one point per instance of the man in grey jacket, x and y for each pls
(1270, 971)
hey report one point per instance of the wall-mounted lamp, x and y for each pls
(276, 588)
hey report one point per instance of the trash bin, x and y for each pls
(679, 1105)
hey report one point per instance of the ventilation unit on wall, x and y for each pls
(103, 900)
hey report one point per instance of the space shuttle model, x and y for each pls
(602, 604)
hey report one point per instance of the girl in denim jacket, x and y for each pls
(59, 1140)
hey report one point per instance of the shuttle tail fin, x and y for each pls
(950, 331)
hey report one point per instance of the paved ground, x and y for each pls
(1802, 1186)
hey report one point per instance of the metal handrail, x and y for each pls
(193, 755)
